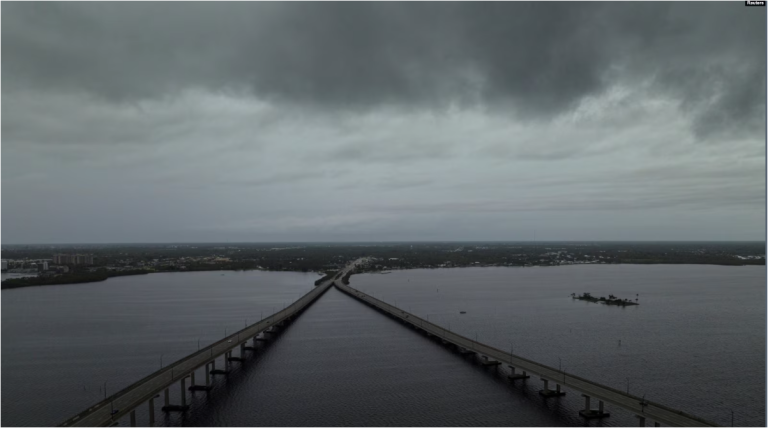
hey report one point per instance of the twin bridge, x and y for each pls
(109, 411)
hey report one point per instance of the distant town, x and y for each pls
(48, 265)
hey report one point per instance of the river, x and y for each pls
(695, 342)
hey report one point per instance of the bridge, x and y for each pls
(643, 409)
(110, 410)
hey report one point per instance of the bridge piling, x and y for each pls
(192, 378)
(133, 418)
(183, 392)
(514, 377)
(591, 414)
(174, 407)
(640, 420)
(547, 393)
(207, 375)
(151, 412)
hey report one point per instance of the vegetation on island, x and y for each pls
(70, 278)
(345, 280)
(610, 300)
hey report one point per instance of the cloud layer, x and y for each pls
(305, 121)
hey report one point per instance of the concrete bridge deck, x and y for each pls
(145, 390)
(643, 409)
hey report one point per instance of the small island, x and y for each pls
(610, 300)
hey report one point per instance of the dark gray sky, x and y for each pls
(152, 122)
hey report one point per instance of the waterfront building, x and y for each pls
(73, 259)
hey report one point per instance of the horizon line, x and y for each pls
(377, 241)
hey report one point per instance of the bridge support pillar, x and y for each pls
(242, 350)
(589, 413)
(175, 407)
(192, 379)
(514, 376)
(656, 424)
(133, 418)
(640, 420)
(152, 412)
(183, 392)
(547, 393)
(207, 375)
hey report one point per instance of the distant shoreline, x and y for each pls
(37, 281)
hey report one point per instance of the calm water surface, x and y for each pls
(343, 364)
(696, 342)
(61, 343)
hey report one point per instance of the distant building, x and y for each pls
(83, 259)
(62, 259)
(73, 259)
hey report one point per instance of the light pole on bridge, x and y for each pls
(105, 390)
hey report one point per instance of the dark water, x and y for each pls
(61, 343)
(697, 342)
(343, 364)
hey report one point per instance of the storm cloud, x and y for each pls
(541, 58)
(390, 112)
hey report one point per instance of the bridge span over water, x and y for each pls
(125, 402)
(523, 368)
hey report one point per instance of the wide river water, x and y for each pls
(696, 342)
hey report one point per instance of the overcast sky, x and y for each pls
(182, 122)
